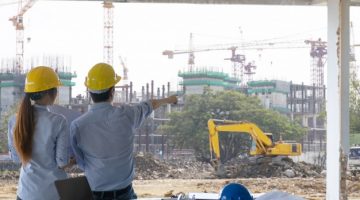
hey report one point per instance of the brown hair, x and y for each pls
(25, 124)
(24, 129)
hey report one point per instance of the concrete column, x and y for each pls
(168, 89)
(131, 92)
(126, 93)
(344, 92)
(152, 89)
(147, 92)
(345, 73)
(142, 93)
(333, 106)
(337, 94)
(163, 91)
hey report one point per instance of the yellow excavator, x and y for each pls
(263, 146)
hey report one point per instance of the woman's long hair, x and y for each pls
(25, 124)
(24, 129)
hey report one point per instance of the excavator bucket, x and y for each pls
(220, 170)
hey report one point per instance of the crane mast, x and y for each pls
(318, 51)
(18, 22)
(108, 31)
(191, 60)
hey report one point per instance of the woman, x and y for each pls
(40, 137)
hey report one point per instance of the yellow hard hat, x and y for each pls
(40, 79)
(100, 77)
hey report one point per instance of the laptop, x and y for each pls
(77, 188)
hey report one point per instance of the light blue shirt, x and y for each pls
(12, 150)
(103, 143)
(49, 152)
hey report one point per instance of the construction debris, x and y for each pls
(9, 175)
(148, 167)
(286, 167)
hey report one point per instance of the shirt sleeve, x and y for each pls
(79, 156)
(10, 133)
(61, 150)
(140, 112)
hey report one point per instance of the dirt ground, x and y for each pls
(309, 188)
(157, 179)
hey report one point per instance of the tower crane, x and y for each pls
(249, 71)
(318, 51)
(17, 20)
(191, 60)
(238, 60)
(125, 69)
(25, 5)
(108, 31)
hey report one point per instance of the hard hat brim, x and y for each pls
(118, 78)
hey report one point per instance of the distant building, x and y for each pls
(194, 82)
(288, 98)
(65, 91)
(273, 94)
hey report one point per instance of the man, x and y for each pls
(103, 138)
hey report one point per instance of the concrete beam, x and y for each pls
(252, 2)
(245, 2)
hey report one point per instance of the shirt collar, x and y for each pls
(101, 105)
(41, 107)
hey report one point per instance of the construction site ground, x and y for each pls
(156, 178)
(309, 188)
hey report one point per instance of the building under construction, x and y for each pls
(148, 138)
(12, 83)
(302, 103)
(273, 94)
(195, 81)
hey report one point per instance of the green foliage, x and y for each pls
(3, 129)
(355, 139)
(354, 104)
(188, 128)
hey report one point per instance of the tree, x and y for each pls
(188, 128)
(4, 128)
(354, 104)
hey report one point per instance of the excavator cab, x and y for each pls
(270, 136)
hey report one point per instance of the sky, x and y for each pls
(74, 30)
